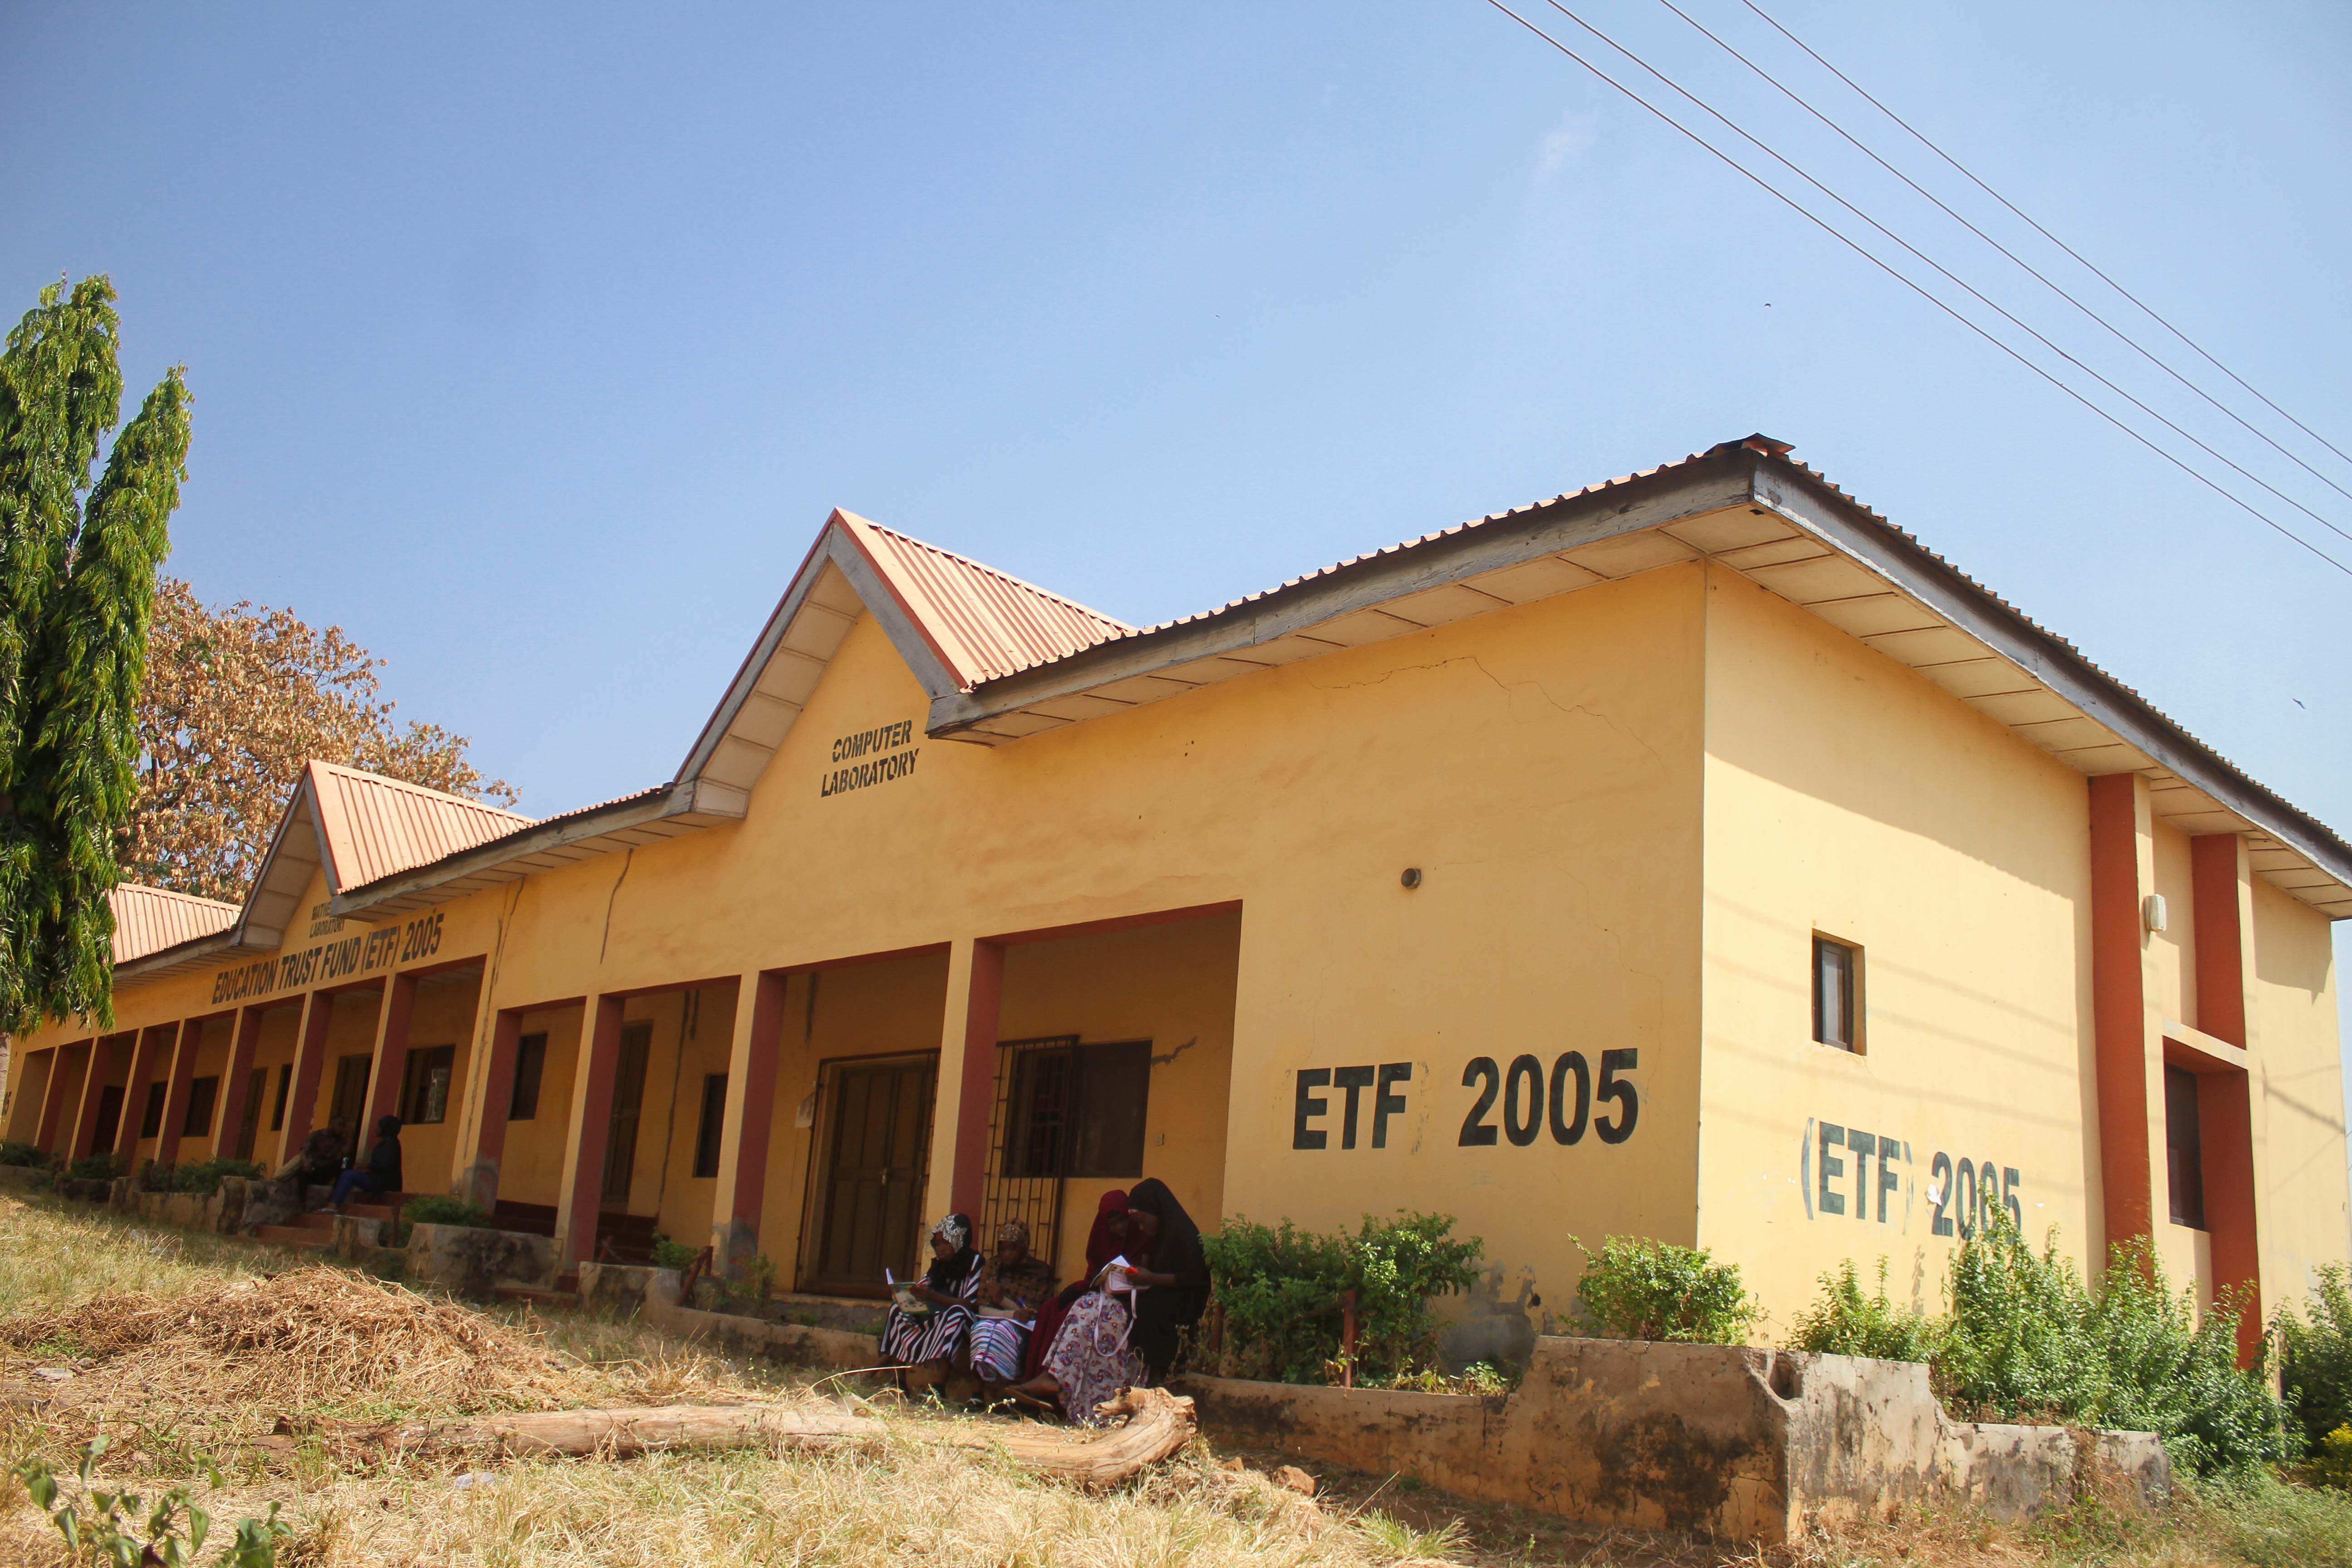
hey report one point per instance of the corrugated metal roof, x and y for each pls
(149, 920)
(375, 827)
(984, 622)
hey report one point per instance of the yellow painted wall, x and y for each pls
(532, 1166)
(2300, 1192)
(29, 1067)
(1847, 794)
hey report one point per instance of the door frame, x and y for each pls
(828, 1074)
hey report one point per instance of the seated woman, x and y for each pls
(1179, 1276)
(1014, 1285)
(926, 1339)
(1105, 1241)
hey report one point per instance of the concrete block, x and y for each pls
(627, 1290)
(652, 1294)
(468, 1260)
(1722, 1440)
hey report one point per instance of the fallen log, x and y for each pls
(1158, 1424)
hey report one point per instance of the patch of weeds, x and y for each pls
(106, 1525)
(2271, 1524)
(1393, 1538)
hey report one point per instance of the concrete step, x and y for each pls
(314, 1237)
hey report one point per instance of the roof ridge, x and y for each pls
(174, 893)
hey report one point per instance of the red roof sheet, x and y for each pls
(149, 920)
(984, 622)
(375, 827)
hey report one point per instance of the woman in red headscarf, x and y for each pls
(1110, 1238)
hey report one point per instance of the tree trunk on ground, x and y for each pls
(1158, 1425)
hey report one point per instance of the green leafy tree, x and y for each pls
(77, 564)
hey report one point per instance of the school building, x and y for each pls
(1694, 855)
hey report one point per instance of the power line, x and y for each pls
(2119, 334)
(2147, 308)
(1979, 295)
(1849, 243)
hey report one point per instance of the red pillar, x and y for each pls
(309, 1061)
(750, 1101)
(53, 1101)
(2119, 1011)
(592, 1122)
(151, 1049)
(234, 1080)
(976, 1084)
(390, 1055)
(176, 1091)
(93, 1085)
(480, 1180)
(2225, 1117)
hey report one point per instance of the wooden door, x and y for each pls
(257, 1084)
(867, 1200)
(107, 1135)
(628, 1108)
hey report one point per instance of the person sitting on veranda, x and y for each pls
(927, 1331)
(1012, 1286)
(1124, 1334)
(319, 1160)
(381, 1175)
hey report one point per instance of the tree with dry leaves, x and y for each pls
(237, 699)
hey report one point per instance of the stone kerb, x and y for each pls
(1724, 1440)
(653, 1296)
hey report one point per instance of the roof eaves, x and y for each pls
(554, 833)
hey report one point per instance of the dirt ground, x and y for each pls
(191, 1352)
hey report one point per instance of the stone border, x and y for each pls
(1722, 1440)
(652, 1295)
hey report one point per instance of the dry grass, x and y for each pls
(181, 1346)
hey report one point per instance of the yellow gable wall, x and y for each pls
(1846, 794)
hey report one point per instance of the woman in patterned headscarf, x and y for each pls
(934, 1316)
(1012, 1286)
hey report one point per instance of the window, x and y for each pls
(425, 1086)
(1837, 993)
(277, 1108)
(200, 1095)
(2184, 1165)
(714, 1116)
(151, 1120)
(1077, 1110)
(531, 1062)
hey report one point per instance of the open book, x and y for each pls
(1119, 1274)
(903, 1295)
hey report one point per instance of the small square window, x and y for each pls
(202, 1093)
(1837, 993)
(1077, 1110)
(531, 1062)
(425, 1096)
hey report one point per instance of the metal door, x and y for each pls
(628, 1108)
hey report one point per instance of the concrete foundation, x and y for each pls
(222, 1211)
(1718, 1439)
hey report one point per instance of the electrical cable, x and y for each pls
(2033, 271)
(1824, 224)
(1969, 176)
(2243, 473)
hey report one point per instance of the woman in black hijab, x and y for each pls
(1178, 1274)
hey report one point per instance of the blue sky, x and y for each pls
(532, 346)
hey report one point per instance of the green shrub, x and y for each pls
(437, 1210)
(2027, 1340)
(668, 1254)
(2318, 1355)
(1638, 1288)
(15, 1153)
(2330, 1463)
(1844, 1321)
(1280, 1287)
(2259, 1520)
(200, 1176)
(94, 1168)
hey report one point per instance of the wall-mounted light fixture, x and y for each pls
(2151, 911)
(1412, 878)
